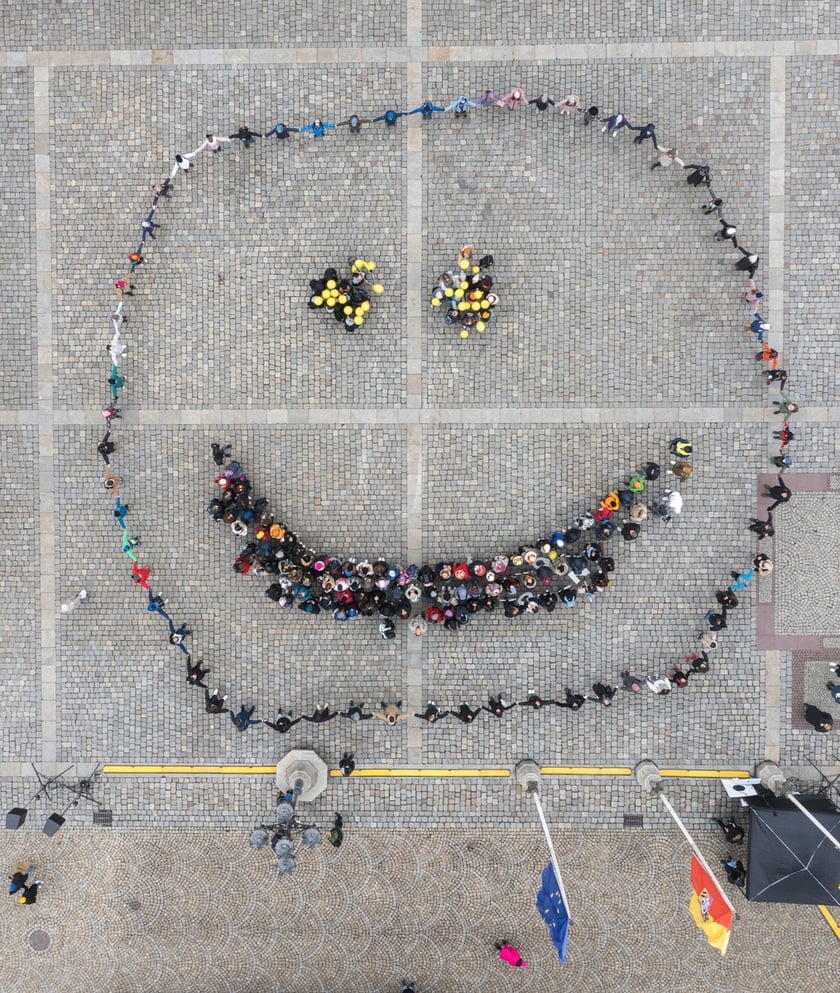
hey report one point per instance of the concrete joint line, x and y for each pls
(415, 51)
(46, 445)
(414, 384)
(772, 705)
(418, 415)
(776, 206)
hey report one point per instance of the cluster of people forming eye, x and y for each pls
(347, 299)
(466, 294)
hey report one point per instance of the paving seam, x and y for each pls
(46, 424)
(583, 52)
(776, 314)
(413, 654)
(341, 416)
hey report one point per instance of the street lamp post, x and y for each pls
(302, 776)
(288, 832)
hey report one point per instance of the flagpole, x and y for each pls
(667, 803)
(553, 855)
(789, 796)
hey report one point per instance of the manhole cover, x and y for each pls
(39, 941)
(133, 904)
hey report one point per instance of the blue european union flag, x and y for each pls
(550, 904)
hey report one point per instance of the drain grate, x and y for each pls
(634, 820)
(39, 941)
(103, 818)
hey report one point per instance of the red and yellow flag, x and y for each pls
(711, 913)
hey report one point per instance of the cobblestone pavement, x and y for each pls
(386, 906)
(620, 327)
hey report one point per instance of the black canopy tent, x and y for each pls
(789, 860)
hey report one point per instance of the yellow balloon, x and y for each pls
(475, 305)
(359, 312)
(463, 264)
(476, 268)
(459, 294)
(331, 284)
(463, 305)
(465, 333)
(358, 321)
(343, 298)
(365, 305)
(378, 288)
(448, 291)
(347, 311)
(435, 302)
(371, 266)
(464, 286)
(477, 294)
(318, 301)
(480, 325)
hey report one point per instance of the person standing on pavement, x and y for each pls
(573, 701)
(355, 712)
(735, 872)
(464, 714)
(779, 494)
(245, 135)
(603, 693)
(819, 720)
(497, 706)
(733, 832)
(195, 673)
(282, 723)
(390, 713)
(508, 953)
(647, 132)
(336, 835)
(244, 719)
(29, 894)
(213, 703)
(701, 175)
(177, 635)
(749, 262)
(668, 157)
(320, 715)
(432, 713)
(18, 878)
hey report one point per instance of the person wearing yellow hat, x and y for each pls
(29, 894)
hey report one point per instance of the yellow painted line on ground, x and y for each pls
(580, 770)
(706, 773)
(426, 773)
(431, 773)
(190, 770)
(835, 927)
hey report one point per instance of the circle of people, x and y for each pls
(564, 567)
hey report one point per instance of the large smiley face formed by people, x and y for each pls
(570, 335)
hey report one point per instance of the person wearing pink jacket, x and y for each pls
(509, 954)
(513, 100)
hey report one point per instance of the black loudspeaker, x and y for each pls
(52, 824)
(15, 818)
